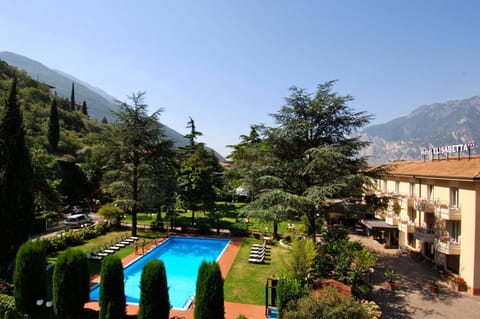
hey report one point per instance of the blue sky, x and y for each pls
(229, 64)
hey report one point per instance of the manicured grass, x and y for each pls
(245, 283)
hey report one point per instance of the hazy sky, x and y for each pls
(228, 64)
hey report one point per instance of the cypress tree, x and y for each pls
(84, 108)
(53, 126)
(30, 277)
(16, 175)
(154, 301)
(71, 283)
(104, 120)
(209, 301)
(112, 292)
(72, 98)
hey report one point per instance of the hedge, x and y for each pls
(209, 300)
(112, 292)
(30, 277)
(154, 300)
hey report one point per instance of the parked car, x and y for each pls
(78, 220)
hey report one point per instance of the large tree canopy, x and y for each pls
(308, 158)
(137, 144)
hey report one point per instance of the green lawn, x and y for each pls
(245, 283)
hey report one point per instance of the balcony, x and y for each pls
(448, 212)
(425, 205)
(447, 246)
(410, 201)
(392, 219)
(424, 235)
(406, 226)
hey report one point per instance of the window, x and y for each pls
(397, 187)
(411, 189)
(456, 232)
(430, 192)
(454, 200)
(385, 185)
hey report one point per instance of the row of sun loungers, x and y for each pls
(111, 247)
(258, 253)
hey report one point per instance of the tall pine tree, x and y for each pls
(53, 126)
(16, 175)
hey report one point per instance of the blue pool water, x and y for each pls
(182, 257)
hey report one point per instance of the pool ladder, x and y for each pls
(189, 302)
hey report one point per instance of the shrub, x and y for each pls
(154, 301)
(112, 295)
(29, 277)
(330, 303)
(239, 229)
(71, 285)
(288, 289)
(203, 228)
(209, 302)
(7, 308)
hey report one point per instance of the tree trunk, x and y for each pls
(311, 220)
(275, 229)
(136, 161)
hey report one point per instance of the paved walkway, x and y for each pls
(413, 299)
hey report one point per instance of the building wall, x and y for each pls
(468, 263)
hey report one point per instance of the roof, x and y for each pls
(452, 168)
(375, 223)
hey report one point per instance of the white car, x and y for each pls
(78, 220)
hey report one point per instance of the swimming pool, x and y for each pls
(182, 257)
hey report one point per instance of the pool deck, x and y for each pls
(232, 310)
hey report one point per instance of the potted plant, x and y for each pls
(433, 284)
(391, 275)
(461, 284)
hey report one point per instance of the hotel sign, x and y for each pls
(458, 148)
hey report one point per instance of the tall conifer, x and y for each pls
(53, 126)
(16, 175)
(84, 108)
(72, 98)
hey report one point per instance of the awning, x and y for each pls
(377, 224)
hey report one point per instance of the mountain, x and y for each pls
(100, 104)
(434, 125)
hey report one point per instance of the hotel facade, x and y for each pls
(435, 203)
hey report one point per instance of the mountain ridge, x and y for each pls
(100, 104)
(427, 126)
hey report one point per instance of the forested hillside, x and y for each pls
(58, 177)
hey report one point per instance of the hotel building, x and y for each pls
(435, 203)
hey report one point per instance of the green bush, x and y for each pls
(288, 289)
(329, 303)
(239, 229)
(30, 277)
(7, 308)
(71, 283)
(112, 292)
(209, 301)
(203, 228)
(154, 300)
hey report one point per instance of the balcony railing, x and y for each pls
(425, 205)
(406, 226)
(392, 219)
(424, 235)
(447, 246)
(448, 212)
